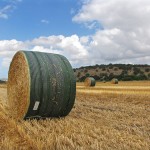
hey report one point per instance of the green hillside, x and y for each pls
(124, 72)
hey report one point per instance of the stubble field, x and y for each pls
(106, 116)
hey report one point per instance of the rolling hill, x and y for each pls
(124, 72)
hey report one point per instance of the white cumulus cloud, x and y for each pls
(125, 37)
(126, 34)
(71, 47)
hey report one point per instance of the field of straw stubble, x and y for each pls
(106, 116)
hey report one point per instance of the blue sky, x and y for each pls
(33, 18)
(28, 19)
(87, 32)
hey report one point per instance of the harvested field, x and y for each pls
(104, 117)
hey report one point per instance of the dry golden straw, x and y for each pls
(104, 120)
(18, 86)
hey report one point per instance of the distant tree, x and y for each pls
(136, 70)
(128, 67)
(124, 72)
(82, 78)
(102, 74)
(103, 69)
(111, 67)
(140, 77)
(115, 69)
(79, 73)
(2, 81)
(96, 77)
(111, 76)
(147, 70)
(87, 74)
(128, 78)
(85, 71)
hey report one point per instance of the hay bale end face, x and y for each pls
(40, 85)
(89, 81)
(114, 81)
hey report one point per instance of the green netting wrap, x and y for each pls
(93, 82)
(51, 85)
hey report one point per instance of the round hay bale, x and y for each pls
(114, 81)
(40, 85)
(89, 81)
